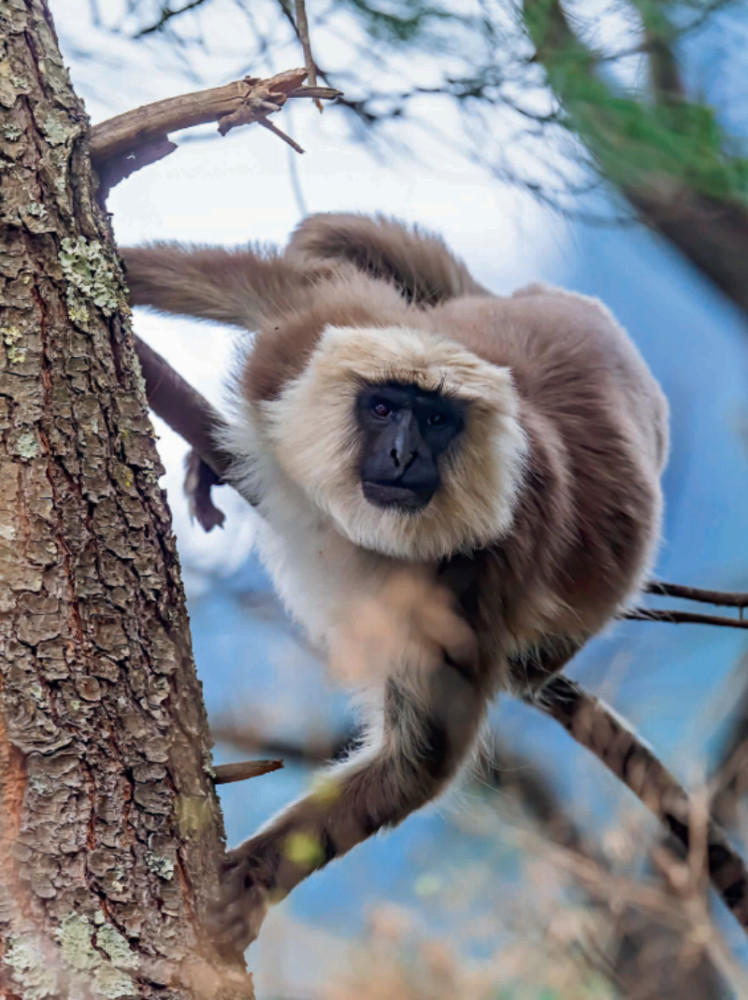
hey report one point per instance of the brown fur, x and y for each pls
(548, 514)
(417, 263)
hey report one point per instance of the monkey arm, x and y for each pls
(239, 287)
(421, 736)
(190, 415)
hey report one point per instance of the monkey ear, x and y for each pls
(417, 262)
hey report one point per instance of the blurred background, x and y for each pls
(596, 145)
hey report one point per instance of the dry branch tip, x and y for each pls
(227, 773)
(127, 142)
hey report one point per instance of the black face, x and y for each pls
(405, 431)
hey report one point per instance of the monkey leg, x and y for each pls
(425, 728)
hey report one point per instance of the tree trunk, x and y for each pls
(109, 825)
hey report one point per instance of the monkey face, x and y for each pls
(404, 431)
(405, 440)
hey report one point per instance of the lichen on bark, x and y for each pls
(103, 735)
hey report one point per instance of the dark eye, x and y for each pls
(381, 409)
(436, 420)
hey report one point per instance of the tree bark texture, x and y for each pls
(110, 829)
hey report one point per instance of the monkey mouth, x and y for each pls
(394, 495)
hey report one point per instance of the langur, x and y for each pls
(457, 491)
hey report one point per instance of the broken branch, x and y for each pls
(226, 773)
(123, 144)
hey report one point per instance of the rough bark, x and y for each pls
(110, 829)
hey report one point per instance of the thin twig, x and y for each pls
(594, 725)
(123, 144)
(725, 598)
(682, 618)
(167, 13)
(248, 739)
(281, 135)
(302, 30)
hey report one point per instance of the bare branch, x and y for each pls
(682, 618)
(725, 598)
(594, 725)
(123, 144)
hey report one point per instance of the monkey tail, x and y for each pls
(241, 287)
(417, 262)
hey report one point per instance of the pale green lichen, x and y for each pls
(75, 935)
(113, 984)
(35, 209)
(208, 763)
(163, 867)
(91, 275)
(193, 814)
(30, 969)
(10, 334)
(115, 945)
(11, 132)
(107, 958)
(57, 130)
(16, 355)
(26, 445)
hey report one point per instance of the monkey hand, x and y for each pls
(240, 906)
(408, 620)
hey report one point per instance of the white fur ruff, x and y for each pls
(300, 453)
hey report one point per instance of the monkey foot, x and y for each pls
(240, 907)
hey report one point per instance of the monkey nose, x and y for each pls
(403, 459)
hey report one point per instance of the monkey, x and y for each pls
(457, 491)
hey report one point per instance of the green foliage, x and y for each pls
(641, 144)
(638, 139)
